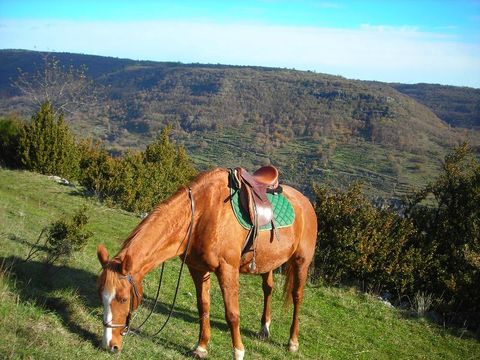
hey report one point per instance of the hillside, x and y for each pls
(314, 127)
(457, 106)
(58, 315)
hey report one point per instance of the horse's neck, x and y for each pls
(160, 236)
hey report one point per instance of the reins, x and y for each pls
(190, 232)
(134, 290)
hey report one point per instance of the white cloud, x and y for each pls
(384, 53)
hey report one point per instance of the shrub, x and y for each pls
(63, 237)
(431, 255)
(10, 129)
(47, 146)
(447, 214)
(97, 169)
(137, 181)
(358, 242)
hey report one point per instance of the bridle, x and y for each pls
(134, 288)
(133, 294)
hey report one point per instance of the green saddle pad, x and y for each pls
(282, 211)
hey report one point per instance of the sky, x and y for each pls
(394, 41)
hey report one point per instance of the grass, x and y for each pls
(56, 313)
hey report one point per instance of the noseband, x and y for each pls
(133, 293)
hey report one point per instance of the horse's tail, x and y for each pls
(288, 285)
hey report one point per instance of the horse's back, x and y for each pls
(221, 237)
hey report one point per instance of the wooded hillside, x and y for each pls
(315, 127)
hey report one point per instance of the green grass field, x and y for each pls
(56, 313)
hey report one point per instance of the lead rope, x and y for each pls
(190, 232)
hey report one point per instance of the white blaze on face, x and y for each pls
(107, 298)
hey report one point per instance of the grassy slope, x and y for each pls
(58, 316)
(386, 172)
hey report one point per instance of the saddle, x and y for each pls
(253, 198)
(253, 193)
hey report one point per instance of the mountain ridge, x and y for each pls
(313, 125)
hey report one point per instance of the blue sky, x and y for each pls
(402, 41)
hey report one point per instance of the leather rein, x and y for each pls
(134, 288)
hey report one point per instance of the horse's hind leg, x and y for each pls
(202, 286)
(298, 268)
(267, 286)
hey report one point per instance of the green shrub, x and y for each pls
(447, 214)
(431, 253)
(63, 237)
(10, 130)
(97, 169)
(137, 181)
(47, 146)
(358, 242)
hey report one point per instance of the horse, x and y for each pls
(216, 247)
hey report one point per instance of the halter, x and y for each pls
(134, 289)
(133, 293)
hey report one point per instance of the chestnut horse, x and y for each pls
(216, 246)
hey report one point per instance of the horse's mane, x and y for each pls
(200, 180)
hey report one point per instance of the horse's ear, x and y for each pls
(126, 264)
(102, 254)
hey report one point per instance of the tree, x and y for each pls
(67, 89)
(447, 213)
(10, 130)
(137, 181)
(47, 146)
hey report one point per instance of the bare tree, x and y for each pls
(67, 88)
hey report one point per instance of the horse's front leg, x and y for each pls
(228, 277)
(267, 287)
(202, 286)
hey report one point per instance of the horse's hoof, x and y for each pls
(264, 332)
(198, 353)
(263, 335)
(293, 346)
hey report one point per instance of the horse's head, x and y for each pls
(120, 293)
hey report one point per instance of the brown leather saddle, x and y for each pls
(253, 193)
(253, 198)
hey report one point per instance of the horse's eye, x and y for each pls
(122, 300)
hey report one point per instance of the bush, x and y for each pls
(447, 214)
(63, 237)
(360, 243)
(10, 130)
(97, 169)
(137, 181)
(431, 255)
(47, 146)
